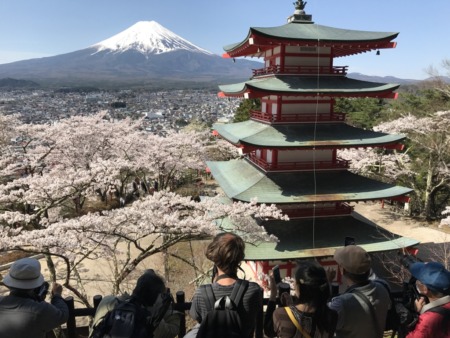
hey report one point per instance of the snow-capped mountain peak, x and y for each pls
(147, 37)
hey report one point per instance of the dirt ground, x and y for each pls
(434, 242)
(393, 221)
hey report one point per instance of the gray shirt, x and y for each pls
(23, 317)
(354, 318)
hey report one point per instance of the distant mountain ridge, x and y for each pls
(15, 83)
(145, 52)
(382, 79)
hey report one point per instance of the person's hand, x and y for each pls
(57, 289)
(419, 303)
(331, 274)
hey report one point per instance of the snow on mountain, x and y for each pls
(147, 37)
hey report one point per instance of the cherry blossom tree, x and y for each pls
(382, 164)
(430, 145)
(52, 177)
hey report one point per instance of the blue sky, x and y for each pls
(37, 28)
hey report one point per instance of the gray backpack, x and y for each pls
(222, 320)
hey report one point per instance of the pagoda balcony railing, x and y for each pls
(343, 209)
(289, 118)
(292, 166)
(304, 70)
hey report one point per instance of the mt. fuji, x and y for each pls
(147, 37)
(145, 53)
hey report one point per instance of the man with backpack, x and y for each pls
(146, 313)
(362, 309)
(229, 307)
(433, 285)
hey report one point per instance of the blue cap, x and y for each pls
(433, 275)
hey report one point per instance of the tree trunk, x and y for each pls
(429, 191)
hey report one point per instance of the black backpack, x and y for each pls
(129, 319)
(121, 322)
(393, 317)
(222, 319)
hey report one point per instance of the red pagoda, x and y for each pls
(290, 146)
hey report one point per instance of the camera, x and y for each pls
(410, 292)
(41, 292)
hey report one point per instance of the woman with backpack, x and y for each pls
(307, 315)
(147, 312)
(227, 251)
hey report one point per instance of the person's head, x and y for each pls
(24, 274)
(355, 262)
(311, 284)
(226, 251)
(433, 280)
(148, 287)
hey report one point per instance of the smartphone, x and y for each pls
(349, 241)
(276, 274)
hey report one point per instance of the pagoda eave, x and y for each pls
(320, 237)
(339, 49)
(344, 41)
(298, 187)
(308, 86)
(291, 136)
(247, 148)
(253, 93)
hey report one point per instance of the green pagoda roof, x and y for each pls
(308, 85)
(305, 238)
(241, 181)
(336, 135)
(306, 33)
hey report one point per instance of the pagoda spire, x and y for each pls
(299, 14)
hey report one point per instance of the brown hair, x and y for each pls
(226, 251)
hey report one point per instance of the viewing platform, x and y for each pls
(338, 210)
(338, 164)
(292, 118)
(301, 70)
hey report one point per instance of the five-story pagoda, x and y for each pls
(290, 146)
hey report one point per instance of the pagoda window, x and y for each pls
(277, 61)
(264, 107)
(274, 108)
(277, 50)
(268, 156)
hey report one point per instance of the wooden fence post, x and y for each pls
(71, 323)
(180, 306)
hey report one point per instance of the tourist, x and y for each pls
(308, 314)
(227, 251)
(363, 307)
(149, 293)
(24, 312)
(433, 284)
